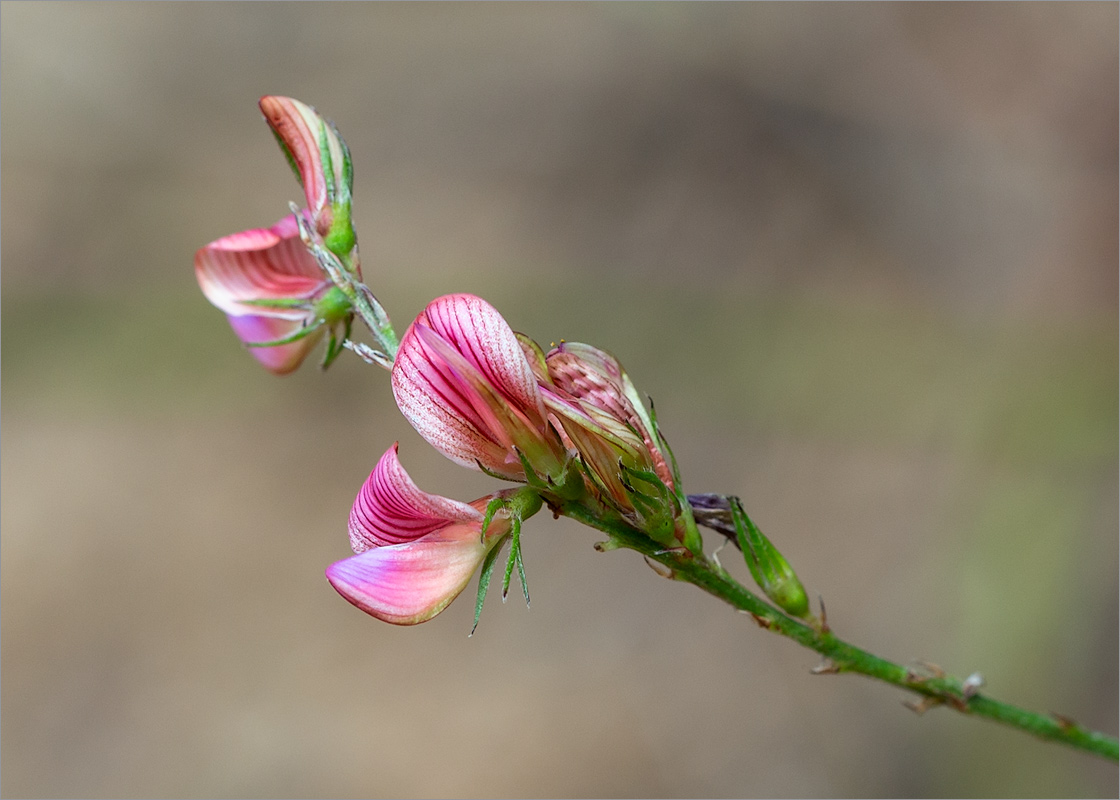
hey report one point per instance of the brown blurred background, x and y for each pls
(864, 257)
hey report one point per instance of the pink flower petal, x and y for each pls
(426, 400)
(258, 264)
(297, 125)
(280, 359)
(476, 329)
(409, 583)
(596, 378)
(390, 509)
(463, 381)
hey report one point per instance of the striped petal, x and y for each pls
(597, 379)
(409, 583)
(463, 381)
(259, 264)
(298, 127)
(474, 328)
(263, 264)
(390, 509)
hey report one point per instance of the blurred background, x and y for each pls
(864, 258)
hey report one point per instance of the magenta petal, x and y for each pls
(476, 329)
(259, 264)
(437, 405)
(280, 359)
(390, 509)
(409, 583)
(462, 380)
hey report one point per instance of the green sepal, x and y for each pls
(326, 160)
(693, 541)
(484, 581)
(515, 560)
(295, 337)
(492, 508)
(569, 484)
(535, 354)
(513, 542)
(334, 306)
(336, 344)
(345, 190)
(301, 303)
(340, 239)
(531, 477)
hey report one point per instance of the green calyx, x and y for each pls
(333, 307)
(518, 505)
(340, 239)
(339, 178)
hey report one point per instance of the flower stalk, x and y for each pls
(569, 426)
(840, 656)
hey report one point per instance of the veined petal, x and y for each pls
(412, 582)
(462, 380)
(427, 398)
(390, 509)
(298, 127)
(474, 328)
(259, 264)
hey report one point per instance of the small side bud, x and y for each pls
(768, 567)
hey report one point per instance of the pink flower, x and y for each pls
(415, 551)
(463, 380)
(272, 290)
(321, 160)
(602, 415)
(597, 379)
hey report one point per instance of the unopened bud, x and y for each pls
(768, 567)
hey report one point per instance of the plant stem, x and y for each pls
(840, 656)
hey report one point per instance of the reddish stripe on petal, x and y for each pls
(390, 509)
(258, 264)
(436, 406)
(293, 123)
(409, 583)
(475, 328)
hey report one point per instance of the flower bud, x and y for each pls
(461, 377)
(604, 418)
(768, 567)
(321, 160)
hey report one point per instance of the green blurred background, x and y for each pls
(864, 257)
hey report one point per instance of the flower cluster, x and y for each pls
(567, 424)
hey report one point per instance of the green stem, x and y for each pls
(840, 656)
(342, 272)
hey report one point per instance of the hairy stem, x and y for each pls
(840, 656)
